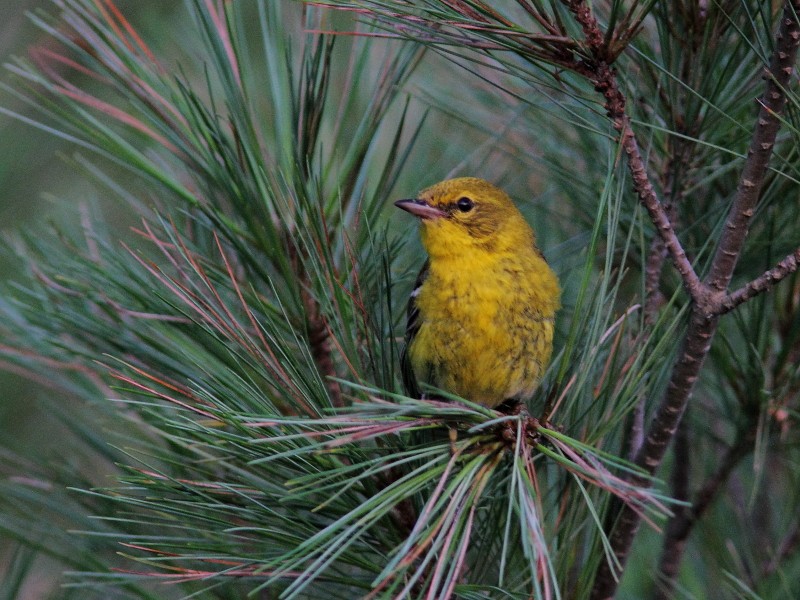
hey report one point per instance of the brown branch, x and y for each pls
(320, 343)
(679, 154)
(604, 78)
(662, 429)
(653, 298)
(649, 199)
(772, 103)
(695, 348)
(681, 524)
(404, 515)
(636, 429)
(762, 283)
(674, 543)
(704, 317)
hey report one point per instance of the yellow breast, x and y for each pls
(486, 325)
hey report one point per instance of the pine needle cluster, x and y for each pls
(243, 430)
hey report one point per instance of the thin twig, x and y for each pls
(647, 195)
(653, 298)
(705, 314)
(604, 78)
(762, 283)
(679, 155)
(317, 330)
(319, 341)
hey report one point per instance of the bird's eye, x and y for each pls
(465, 204)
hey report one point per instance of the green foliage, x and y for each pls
(246, 430)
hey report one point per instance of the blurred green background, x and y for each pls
(39, 187)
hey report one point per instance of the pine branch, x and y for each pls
(596, 65)
(768, 123)
(706, 312)
(680, 526)
(604, 78)
(657, 255)
(231, 344)
(704, 322)
(762, 283)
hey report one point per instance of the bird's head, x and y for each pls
(467, 212)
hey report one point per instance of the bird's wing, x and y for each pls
(412, 327)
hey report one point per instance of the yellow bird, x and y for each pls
(481, 316)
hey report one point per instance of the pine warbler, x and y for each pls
(480, 319)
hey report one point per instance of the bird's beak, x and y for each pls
(420, 208)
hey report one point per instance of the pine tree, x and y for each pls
(237, 354)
